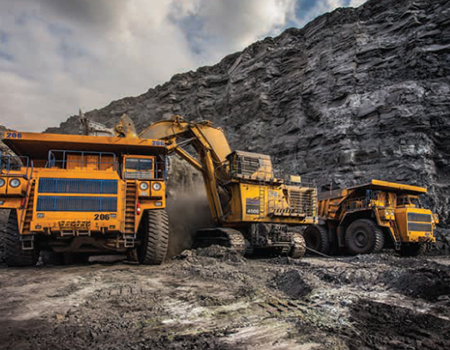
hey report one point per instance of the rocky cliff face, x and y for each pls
(356, 94)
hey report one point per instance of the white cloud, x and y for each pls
(334, 4)
(64, 58)
(57, 56)
(357, 3)
(229, 25)
(63, 55)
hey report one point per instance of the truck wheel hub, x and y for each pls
(361, 239)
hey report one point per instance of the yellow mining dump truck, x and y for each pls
(364, 219)
(253, 208)
(82, 195)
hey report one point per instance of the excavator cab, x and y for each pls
(253, 166)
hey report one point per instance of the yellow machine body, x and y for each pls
(396, 208)
(82, 186)
(257, 194)
(244, 192)
(276, 203)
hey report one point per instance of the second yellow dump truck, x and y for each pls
(365, 219)
(83, 195)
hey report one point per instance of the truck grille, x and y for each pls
(67, 203)
(419, 217)
(54, 185)
(412, 226)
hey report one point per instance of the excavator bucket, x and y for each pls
(126, 127)
(91, 128)
(211, 137)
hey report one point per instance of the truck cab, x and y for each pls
(409, 201)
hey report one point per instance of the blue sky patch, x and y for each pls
(6, 56)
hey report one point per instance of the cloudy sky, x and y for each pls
(57, 56)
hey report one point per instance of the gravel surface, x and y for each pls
(212, 299)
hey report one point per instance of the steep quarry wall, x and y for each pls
(355, 94)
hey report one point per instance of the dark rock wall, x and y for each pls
(356, 94)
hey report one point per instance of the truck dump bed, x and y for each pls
(37, 146)
(374, 185)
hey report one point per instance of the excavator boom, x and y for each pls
(176, 130)
(210, 144)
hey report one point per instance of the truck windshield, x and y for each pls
(409, 200)
(415, 201)
(139, 164)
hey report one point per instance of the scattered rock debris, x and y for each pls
(211, 298)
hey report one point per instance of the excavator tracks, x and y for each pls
(226, 237)
(236, 240)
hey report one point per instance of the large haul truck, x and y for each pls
(252, 207)
(365, 218)
(82, 195)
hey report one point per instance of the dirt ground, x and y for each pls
(213, 299)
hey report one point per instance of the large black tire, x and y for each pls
(298, 248)
(363, 236)
(2, 238)
(2, 244)
(75, 258)
(412, 249)
(316, 238)
(14, 255)
(154, 236)
(52, 258)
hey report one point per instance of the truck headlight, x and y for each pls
(156, 186)
(14, 183)
(143, 186)
(436, 218)
(2, 182)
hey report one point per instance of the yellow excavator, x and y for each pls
(253, 208)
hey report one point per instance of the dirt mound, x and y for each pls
(190, 342)
(285, 260)
(102, 337)
(425, 283)
(386, 326)
(292, 284)
(382, 258)
(215, 251)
